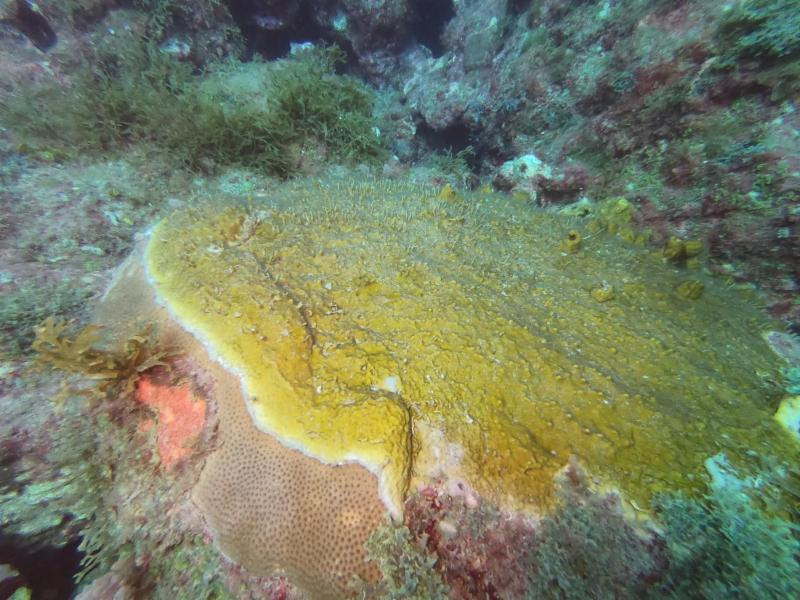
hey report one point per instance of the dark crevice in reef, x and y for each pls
(47, 571)
(269, 34)
(452, 140)
(28, 20)
(269, 29)
(430, 19)
(517, 7)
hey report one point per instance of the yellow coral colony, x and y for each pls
(380, 324)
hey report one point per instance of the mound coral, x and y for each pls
(365, 339)
(379, 324)
(271, 509)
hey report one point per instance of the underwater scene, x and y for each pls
(399, 299)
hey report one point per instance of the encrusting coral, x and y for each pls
(271, 509)
(381, 324)
(366, 338)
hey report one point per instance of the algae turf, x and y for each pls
(762, 29)
(68, 465)
(408, 569)
(725, 546)
(134, 93)
(589, 550)
(90, 465)
(739, 541)
(21, 310)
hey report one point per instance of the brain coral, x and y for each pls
(377, 324)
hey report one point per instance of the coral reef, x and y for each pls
(420, 345)
(680, 108)
(268, 507)
(684, 109)
(288, 295)
(324, 552)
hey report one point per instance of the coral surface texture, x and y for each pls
(380, 324)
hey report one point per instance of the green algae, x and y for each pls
(408, 569)
(588, 549)
(727, 545)
(49, 498)
(763, 29)
(301, 114)
(27, 306)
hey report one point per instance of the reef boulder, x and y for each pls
(368, 338)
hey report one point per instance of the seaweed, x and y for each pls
(133, 93)
(455, 166)
(84, 354)
(22, 309)
(589, 549)
(407, 567)
(766, 30)
(726, 545)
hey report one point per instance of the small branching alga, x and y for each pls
(86, 355)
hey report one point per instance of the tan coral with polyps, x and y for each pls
(270, 508)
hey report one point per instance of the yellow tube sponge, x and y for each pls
(381, 324)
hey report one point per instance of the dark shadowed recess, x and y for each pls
(517, 7)
(270, 33)
(28, 19)
(48, 572)
(430, 19)
(452, 140)
(269, 28)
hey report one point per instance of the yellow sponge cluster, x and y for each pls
(380, 324)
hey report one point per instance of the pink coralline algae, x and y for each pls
(180, 421)
(479, 549)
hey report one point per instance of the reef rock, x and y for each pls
(368, 338)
